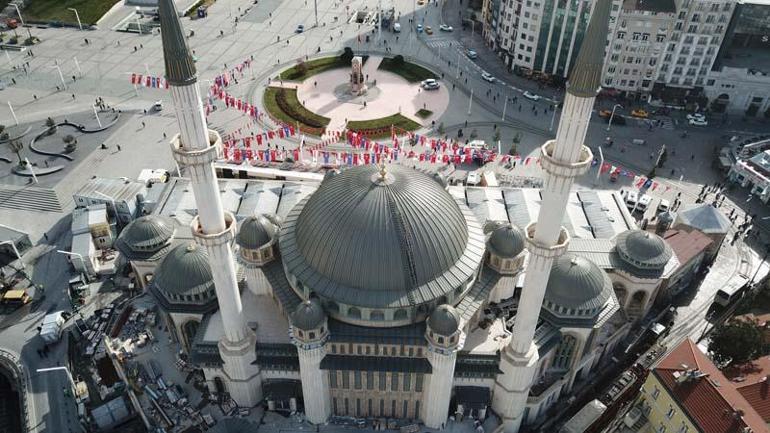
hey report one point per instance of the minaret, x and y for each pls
(196, 147)
(310, 332)
(563, 160)
(445, 339)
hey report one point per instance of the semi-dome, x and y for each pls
(255, 232)
(643, 249)
(444, 320)
(386, 241)
(577, 284)
(308, 315)
(145, 234)
(185, 272)
(506, 241)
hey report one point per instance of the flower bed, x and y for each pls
(283, 105)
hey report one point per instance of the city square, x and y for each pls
(318, 153)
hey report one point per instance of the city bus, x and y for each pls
(734, 290)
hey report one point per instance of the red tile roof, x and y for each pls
(751, 381)
(711, 402)
(686, 245)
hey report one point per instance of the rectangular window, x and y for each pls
(393, 408)
(345, 380)
(382, 407)
(357, 379)
(358, 349)
(334, 348)
(370, 412)
(394, 383)
(369, 380)
(368, 349)
(334, 405)
(333, 379)
(417, 409)
(418, 383)
(407, 381)
(358, 407)
(383, 379)
(406, 409)
(671, 412)
(655, 393)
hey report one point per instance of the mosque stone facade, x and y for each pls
(381, 291)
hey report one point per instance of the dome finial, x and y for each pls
(383, 172)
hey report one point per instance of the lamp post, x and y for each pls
(78, 255)
(18, 12)
(505, 105)
(470, 102)
(77, 16)
(614, 107)
(61, 76)
(553, 118)
(15, 251)
(13, 113)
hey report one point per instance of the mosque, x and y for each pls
(382, 292)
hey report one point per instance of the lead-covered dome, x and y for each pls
(444, 320)
(576, 284)
(643, 249)
(144, 236)
(389, 242)
(255, 232)
(183, 281)
(506, 241)
(308, 315)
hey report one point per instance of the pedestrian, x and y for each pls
(13, 80)
(34, 97)
(164, 135)
(143, 125)
(73, 96)
(141, 46)
(118, 146)
(45, 235)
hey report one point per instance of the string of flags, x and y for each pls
(640, 182)
(149, 81)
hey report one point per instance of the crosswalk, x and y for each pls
(442, 43)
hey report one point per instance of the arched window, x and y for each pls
(564, 352)
(442, 300)
(333, 307)
(399, 314)
(354, 313)
(189, 329)
(620, 292)
(376, 315)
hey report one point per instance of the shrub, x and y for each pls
(69, 139)
(398, 60)
(14, 40)
(347, 55)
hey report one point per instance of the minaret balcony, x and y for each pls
(545, 251)
(565, 169)
(187, 157)
(214, 239)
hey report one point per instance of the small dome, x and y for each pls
(255, 232)
(506, 241)
(308, 315)
(185, 271)
(643, 249)
(444, 320)
(577, 283)
(147, 233)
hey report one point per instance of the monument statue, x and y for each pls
(357, 85)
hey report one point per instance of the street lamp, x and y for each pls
(15, 251)
(553, 117)
(78, 255)
(77, 15)
(18, 12)
(613, 115)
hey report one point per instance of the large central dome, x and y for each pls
(383, 242)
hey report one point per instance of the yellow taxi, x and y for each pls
(640, 113)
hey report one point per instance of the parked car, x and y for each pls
(699, 122)
(531, 96)
(664, 205)
(157, 106)
(300, 29)
(640, 113)
(430, 84)
(644, 203)
(486, 76)
(428, 30)
(632, 199)
(696, 116)
(419, 28)
(397, 28)
(445, 28)
(472, 54)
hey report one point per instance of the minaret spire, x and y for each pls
(563, 160)
(196, 148)
(180, 67)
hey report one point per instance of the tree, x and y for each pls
(301, 68)
(51, 125)
(398, 60)
(496, 137)
(16, 147)
(736, 342)
(347, 55)
(71, 143)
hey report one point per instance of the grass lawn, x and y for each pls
(284, 106)
(312, 67)
(383, 124)
(408, 71)
(423, 113)
(56, 10)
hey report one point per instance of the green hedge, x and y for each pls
(408, 71)
(381, 127)
(283, 105)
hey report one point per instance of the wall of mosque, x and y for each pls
(377, 393)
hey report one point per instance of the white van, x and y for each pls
(664, 205)
(644, 203)
(473, 178)
(397, 28)
(631, 200)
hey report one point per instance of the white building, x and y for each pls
(754, 173)
(121, 196)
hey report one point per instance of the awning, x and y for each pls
(376, 363)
